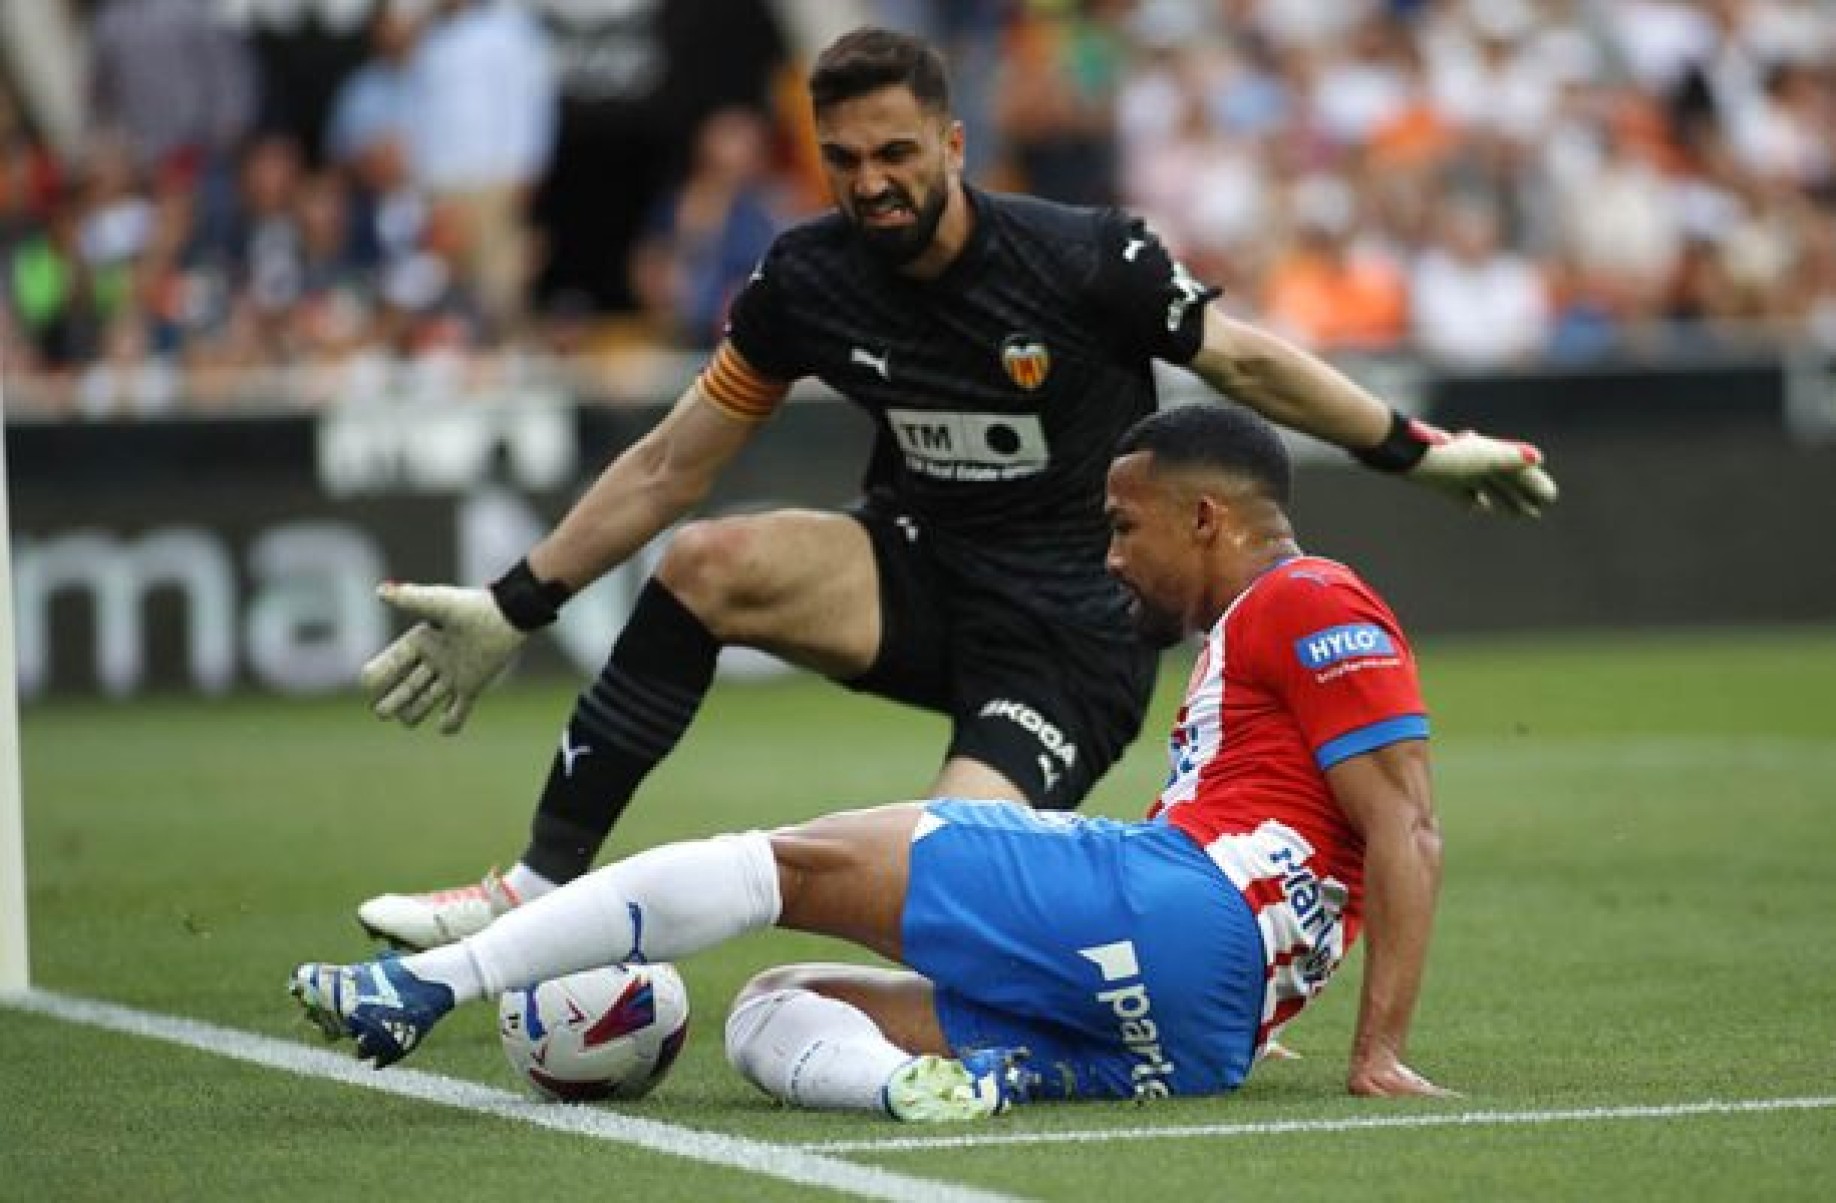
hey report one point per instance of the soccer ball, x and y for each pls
(607, 1033)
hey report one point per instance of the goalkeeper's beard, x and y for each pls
(898, 245)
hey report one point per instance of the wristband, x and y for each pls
(528, 603)
(1401, 449)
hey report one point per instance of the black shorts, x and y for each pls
(1049, 706)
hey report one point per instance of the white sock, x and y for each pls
(526, 884)
(813, 1051)
(659, 905)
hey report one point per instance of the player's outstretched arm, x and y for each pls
(1386, 795)
(463, 637)
(1301, 391)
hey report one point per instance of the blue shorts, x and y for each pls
(1118, 953)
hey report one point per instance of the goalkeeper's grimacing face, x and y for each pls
(891, 164)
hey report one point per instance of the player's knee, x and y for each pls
(707, 565)
(768, 1024)
(747, 1024)
(775, 980)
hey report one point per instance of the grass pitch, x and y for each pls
(1636, 912)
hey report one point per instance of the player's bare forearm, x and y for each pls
(1288, 385)
(1402, 874)
(651, 484)
(1386, 794)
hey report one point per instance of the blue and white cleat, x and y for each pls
(379, 1004)
(981, 1084)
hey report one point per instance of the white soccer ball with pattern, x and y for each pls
(606, 1033)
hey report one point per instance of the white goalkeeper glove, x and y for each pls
(462, 643)
(1494, 475)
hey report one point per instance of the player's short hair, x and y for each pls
(869, 59)
(1228, 438)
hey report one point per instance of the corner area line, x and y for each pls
(787, 1162)
(1459, 1119)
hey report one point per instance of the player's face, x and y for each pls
(1151, 549)
(890, 162)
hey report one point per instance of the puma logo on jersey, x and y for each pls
(1133, 248)
(867, 359)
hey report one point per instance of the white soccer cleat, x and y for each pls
(931, 1090)
(422, 921)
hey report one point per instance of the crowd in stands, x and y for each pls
(1479, 183)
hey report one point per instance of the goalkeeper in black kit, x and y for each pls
(1001, 345)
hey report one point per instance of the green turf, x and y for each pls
(1640, 835)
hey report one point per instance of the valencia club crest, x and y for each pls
(1026, 360)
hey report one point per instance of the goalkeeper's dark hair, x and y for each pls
(1224, 438)
(868, 59)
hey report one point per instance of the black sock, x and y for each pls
(623, 725)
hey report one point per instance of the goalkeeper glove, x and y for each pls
(461, 644)
(1501, 475)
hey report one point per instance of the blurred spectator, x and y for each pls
(1371, 88)
(329, 267)
(705, 238)
(1784, 134)
(29, 176)
(178, 291)
(636, 78)
(1659, 41)
(266, 250)
(483, 113)
(1055, 100)
(1331, 297)
(1302, 27)
(304, 50)
(1485, 74)
(1790, 31)
(1206, 192)
(1618, 217)
(374, 104)
(1477, 304)
(1587, 320)
(172, 78)
(51, 294)
(1759, 255)
(390, 219)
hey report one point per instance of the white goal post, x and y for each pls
(15, 967)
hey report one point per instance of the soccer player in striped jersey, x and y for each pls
(1051, 955)
(1000, 345)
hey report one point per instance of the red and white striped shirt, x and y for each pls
(1306, 669)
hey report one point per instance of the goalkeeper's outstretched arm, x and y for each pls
(464, 637)
(1288, 385)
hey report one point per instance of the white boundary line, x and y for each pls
(1459, 1119)
(787, 1162)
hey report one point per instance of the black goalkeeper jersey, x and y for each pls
(999, 389)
